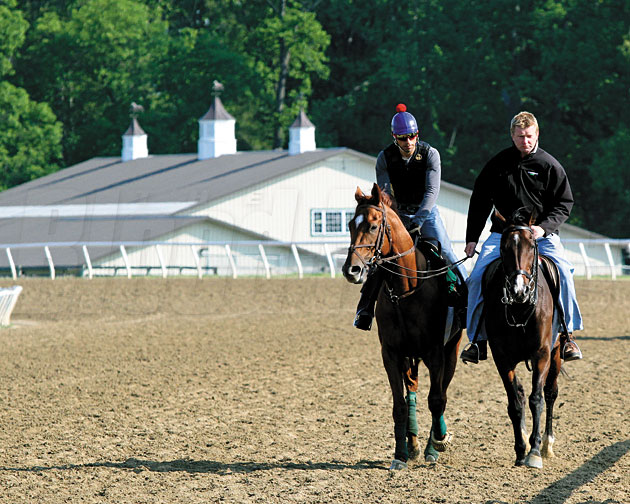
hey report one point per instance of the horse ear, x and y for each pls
(358, 194)
(532, 218)
(376, 192)
(498, 215)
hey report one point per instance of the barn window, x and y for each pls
(330, 222)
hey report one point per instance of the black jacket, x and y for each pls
(509, 182)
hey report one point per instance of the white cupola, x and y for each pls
(216, 129)
(134, 140)
(301, 135)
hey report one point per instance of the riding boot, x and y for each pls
(570, 349)
(365, 308)
(475, 352)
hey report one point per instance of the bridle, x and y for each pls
(383, 230)
(532, 287)
(385, 263)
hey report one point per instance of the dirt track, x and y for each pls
(221, 390)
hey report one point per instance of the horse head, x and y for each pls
(519, 255)
(372, 232)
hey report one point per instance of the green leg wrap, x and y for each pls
(400, 434)
(412, 422)
(439, 426)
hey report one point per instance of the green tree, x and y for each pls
(91, 65)
(284, 45)
(30, 138)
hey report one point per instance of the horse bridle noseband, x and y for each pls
(532, 297)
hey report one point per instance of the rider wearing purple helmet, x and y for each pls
(408, 170)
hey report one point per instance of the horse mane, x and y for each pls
(388, 200)
(524, 216)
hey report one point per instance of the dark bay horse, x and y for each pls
(519, 318)
(411, 315)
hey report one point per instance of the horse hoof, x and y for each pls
(413, 453)
(431, 458)
(534, 461)
(519, 462)
(398, 465)
(441, 444)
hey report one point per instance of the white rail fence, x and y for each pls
(328, 258)
(8, 298)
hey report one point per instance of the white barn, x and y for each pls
(210, 212)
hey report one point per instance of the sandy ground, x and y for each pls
(253, 390)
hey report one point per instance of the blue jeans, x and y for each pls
(551, 247)
(433, 227)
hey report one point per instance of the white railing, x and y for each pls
(330, 261)
(8, 298)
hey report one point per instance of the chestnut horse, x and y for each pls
(519, 320)
(411, 315)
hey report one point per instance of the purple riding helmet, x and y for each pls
(403, 123)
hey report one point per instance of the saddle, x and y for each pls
(457, 294)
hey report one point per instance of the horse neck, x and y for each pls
(400, 243)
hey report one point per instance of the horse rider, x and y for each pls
(523, 175)
(408, 170)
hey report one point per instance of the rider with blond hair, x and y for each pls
(523, 175)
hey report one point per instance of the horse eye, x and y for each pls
(373, 227)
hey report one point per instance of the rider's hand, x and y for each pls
(538, 232)
(470, 249)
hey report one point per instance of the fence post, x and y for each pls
(613, 273)
(587, 265)
(11, 263)
(197, 261)
(261, 249)
(88, 263)
(297, 260)
(331, 264)
(51, 265)
(158, 250)
(123, 253)
(228, 251)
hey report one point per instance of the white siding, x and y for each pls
(281, 209)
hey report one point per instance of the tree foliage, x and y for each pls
(463, 68)
(30, 141)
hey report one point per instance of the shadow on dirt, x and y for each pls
(602, 338)
(562, 489)
(207, 466)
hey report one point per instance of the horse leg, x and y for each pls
(551, 393)
(516, 409)
(394, 370)
(536, 402)
(439, 436)
(411, 383)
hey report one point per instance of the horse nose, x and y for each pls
(520, 289)
(352, 272)
(355, 270)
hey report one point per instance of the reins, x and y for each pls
(384, 263)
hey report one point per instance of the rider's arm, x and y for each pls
(432, 187)
(382, 176)
(479, 207)
(561, 197)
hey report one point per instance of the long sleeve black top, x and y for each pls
(509, 182)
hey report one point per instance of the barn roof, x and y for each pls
(158, 179)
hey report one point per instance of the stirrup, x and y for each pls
(576, 354)
(471, 354)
